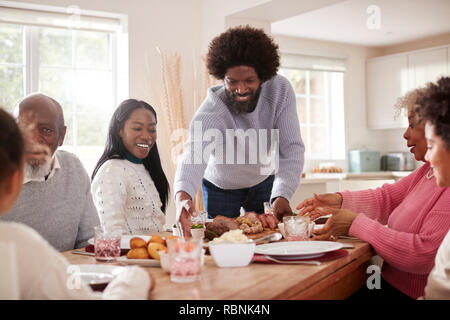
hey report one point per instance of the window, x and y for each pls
(319, 91)
(79, 67)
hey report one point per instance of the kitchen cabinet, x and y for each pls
(388, 78)
(426, 66)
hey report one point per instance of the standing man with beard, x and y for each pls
(56, 199)
(252, 104)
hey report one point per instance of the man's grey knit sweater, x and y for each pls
(61, 208)
(276, 109)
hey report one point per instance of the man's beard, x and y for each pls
(36, 171)
(239, 107)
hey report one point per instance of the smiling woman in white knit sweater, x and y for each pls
(129, 187)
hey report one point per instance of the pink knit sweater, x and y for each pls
(417, 214)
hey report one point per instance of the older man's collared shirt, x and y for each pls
(55, 166)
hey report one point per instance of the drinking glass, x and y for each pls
(296, 228)
(185, 259)
(107, 243)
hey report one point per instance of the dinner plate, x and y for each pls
(125, 240)
(297, 249)
(96, 275)
(139, 262)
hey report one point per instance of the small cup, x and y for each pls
(107, 243)
(198, 233)
(185, 259)
(198, 225)
(296, 228)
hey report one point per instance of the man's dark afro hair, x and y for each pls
(243, 46)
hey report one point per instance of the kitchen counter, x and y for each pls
(318, 183)
(335, 177)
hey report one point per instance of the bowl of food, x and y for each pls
(198, 231)
(232, 249)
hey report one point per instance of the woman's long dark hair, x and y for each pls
(115, 148)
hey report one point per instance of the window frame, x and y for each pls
(327, 124)
(75, 19)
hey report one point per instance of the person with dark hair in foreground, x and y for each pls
(434, 108)
(52, 277)
(237, 130)
(56, 197)
(129, 187)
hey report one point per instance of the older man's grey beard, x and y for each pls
(238, 107)
(37, 171)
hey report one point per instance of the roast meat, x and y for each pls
(219, 226)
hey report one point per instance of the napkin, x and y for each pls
(326, 257)
(133, 283)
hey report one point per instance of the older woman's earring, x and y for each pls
(430, 174)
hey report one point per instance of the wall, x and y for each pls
(357, 134)
(173, 25)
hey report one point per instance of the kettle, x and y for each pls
(398, 161)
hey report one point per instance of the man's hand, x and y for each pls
(281, 208)
(185, 210)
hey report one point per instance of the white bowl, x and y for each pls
(232, 254)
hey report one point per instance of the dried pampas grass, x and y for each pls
(174, 109)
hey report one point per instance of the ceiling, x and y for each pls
(373, 23)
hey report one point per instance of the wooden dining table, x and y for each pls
(335, 279)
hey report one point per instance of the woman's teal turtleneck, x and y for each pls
(130, 157)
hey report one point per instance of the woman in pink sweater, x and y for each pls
(404, 222)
